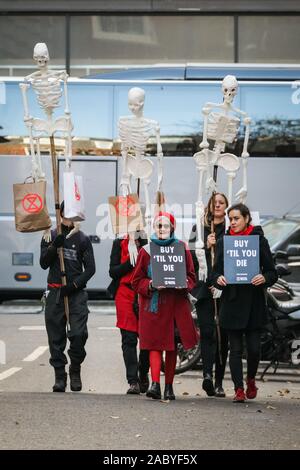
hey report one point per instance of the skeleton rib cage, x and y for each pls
(222, 128)
(135, 134)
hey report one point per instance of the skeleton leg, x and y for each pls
(230, 176)
(125, 179)
(148, 207)
(34, 165)
(199, 247)
(40, 173)
(68, 151)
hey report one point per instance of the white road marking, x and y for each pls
(9, 372)
(107, 328)
(33, 328)
(36, 353)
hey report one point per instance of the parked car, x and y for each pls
(283, 235)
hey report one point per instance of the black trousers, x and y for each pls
(209, 341)
(236, 341)
(134, 368)
(56, 327)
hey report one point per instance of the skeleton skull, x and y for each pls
(41, 54)
(136, 100)
(229, 88)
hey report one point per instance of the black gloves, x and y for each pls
(69, 289)
(59, 241)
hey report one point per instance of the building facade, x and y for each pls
(94, 36)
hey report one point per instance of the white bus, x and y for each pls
(174, 97)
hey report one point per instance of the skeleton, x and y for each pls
(134, 132)
(47, 86)
(222, 127)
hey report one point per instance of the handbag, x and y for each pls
(73, 197)
(31, 213)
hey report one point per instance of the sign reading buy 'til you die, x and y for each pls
(168, 265)
(241, 259)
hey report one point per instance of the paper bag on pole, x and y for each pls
(73, 197)
(31, 213)
(125, 213)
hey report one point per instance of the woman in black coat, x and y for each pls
(205, 304)
(121, 271)
(243, 310)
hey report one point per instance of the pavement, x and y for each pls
(103, 417)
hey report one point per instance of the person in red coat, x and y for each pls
(121, 271)
(163, 310)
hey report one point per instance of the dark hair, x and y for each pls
(244, 210)
(208, 212)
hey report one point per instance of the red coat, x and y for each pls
(156, 330)
(126, 319)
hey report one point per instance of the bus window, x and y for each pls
(91, 112)
(275, 126)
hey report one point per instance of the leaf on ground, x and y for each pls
(269, 407)
(185, 393)
(115, 417)
(138, 435)
(178, 382)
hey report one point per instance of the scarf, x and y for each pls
(247, 231)
(155, 294)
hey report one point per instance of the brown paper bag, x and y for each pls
(31, 214)
(125, 213)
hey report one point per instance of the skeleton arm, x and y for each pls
(160, 158)
(65, 76)
(242, 193)
(36, 171)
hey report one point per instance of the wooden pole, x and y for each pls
(58, 226)
(212, 254)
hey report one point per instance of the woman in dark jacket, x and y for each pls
(243, 309)
(121, 271)
(205, 304)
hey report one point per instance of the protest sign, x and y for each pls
(168, 265)
(241, 259)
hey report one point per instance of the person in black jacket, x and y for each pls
(205, 304)
(243, 309)
(121, 271)
(79, 268)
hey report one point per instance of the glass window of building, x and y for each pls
(273, 39)
(99, 41)
(18, 36)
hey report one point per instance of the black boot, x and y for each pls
(154, 391)
(144, 383)
(75, 379)
(208, 385)
(60, 380)
(169, 393)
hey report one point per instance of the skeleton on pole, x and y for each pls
(221, 127)
(134, 133)
(47, 87)
(47, 84)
